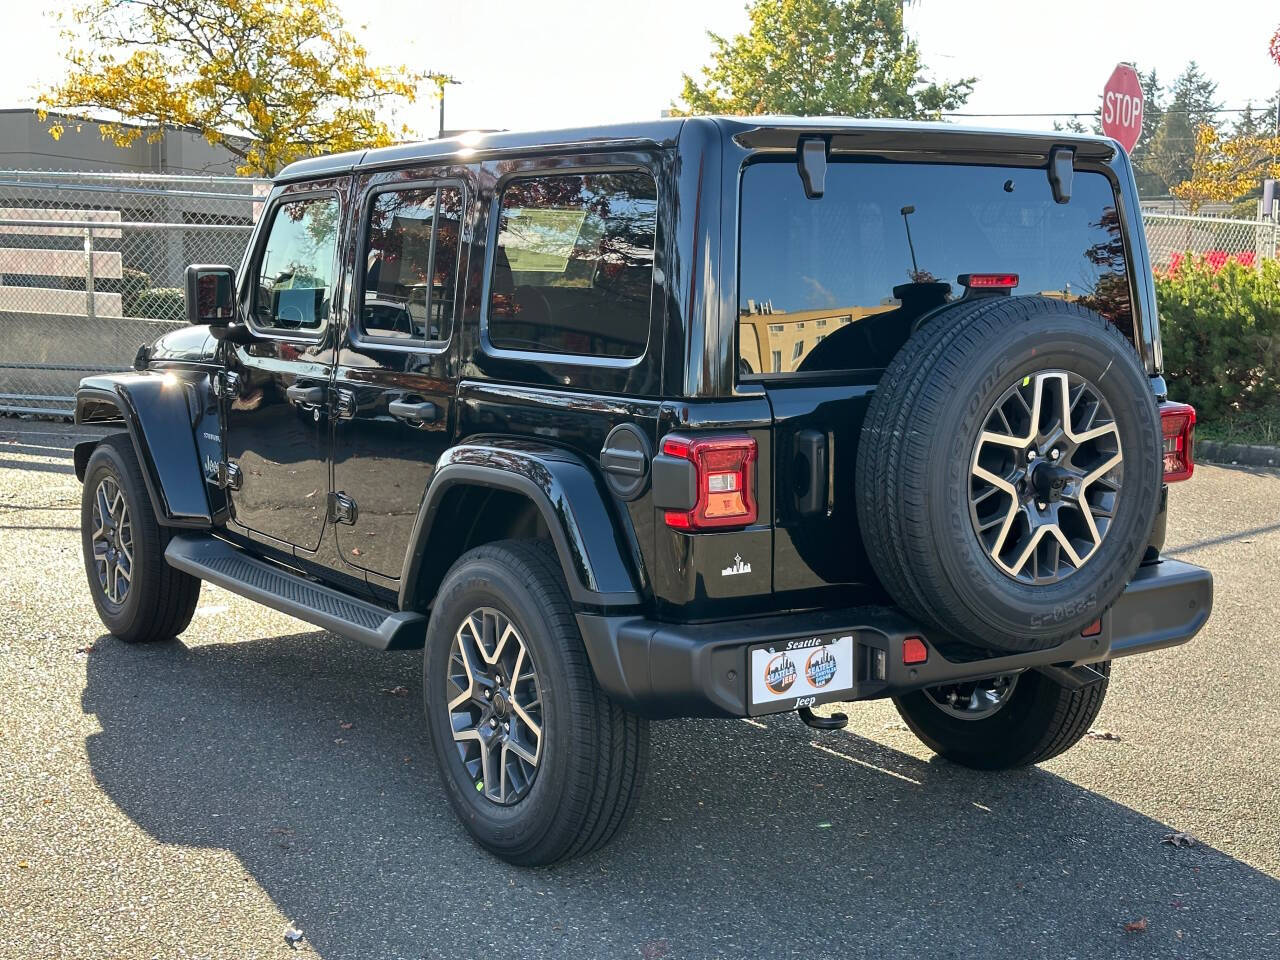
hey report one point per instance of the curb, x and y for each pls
(1240, 454)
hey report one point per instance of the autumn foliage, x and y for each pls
(269, 80)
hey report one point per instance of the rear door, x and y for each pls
(830, 288)
(396, 372)
(275, 426)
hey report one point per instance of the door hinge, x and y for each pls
(230, 476)
(342, 509)
(227, 385)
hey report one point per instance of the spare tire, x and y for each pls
(1009, 470)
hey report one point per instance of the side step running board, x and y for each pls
(229, 567)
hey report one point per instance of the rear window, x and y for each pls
(835, 283)
(573, 269)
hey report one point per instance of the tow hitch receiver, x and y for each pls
(837, 721)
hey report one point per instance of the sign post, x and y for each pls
(1122, 106)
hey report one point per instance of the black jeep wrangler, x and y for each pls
(704, 417)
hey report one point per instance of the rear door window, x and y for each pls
(573, 265)
(836, 283)
(411, 263)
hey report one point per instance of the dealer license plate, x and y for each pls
(797, 673)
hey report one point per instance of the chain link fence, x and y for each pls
(1173, 237)
(92, 265)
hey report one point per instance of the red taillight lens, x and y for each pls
(989, 281)
(1178, 426)
(725, 481)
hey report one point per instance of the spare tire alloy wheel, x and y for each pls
(1009, 472)
(112, 539)
(495, 706)
(1046, 472)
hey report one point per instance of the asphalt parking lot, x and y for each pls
(202, 798)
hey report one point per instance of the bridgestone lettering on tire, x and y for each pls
(998, 531)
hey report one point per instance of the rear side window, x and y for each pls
(836, 283)
(411, 263)
(573, 267)
(293, 288)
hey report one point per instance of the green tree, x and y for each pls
(1150, 183)
(820, 57)
(269, 80)
(1193, 104)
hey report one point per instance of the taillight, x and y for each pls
(724, 481)
(1178, 427)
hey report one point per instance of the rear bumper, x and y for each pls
(698, 670)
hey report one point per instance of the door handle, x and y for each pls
(424, 412)
(812, 472)
(304, 394)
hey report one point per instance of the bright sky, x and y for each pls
(556, 62)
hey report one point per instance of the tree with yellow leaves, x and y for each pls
(1224, 170)
(269, 80)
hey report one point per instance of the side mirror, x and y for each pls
(211, 295)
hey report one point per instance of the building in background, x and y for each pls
(25, 144)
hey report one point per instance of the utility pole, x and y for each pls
(442, 80)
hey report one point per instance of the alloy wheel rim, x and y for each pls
(975, 699)
(112, 541)
(495, 706)
(1045, 477)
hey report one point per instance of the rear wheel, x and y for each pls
(139, 597)
(1013, 720)
(538, 763)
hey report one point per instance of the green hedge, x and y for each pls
(1221, 335)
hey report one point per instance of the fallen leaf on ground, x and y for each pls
(1180, 839)
(356, 551)
(84, 651)
(346, 724)
(1136, 926)
(396, 691)
(1102, 735)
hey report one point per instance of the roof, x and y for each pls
(756, 131)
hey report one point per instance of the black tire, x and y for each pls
(593, 753)
(159, 601)
(1040, 720)
(913, 471)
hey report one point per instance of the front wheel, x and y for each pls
(139, 597)
(538, 763)
(1013, 720)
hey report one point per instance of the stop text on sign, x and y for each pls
(1121, 108)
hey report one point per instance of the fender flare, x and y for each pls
(155, 409)
(563, 488)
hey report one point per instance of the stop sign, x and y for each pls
(1122, 106)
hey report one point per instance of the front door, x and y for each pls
(276, 407)
(395, 380)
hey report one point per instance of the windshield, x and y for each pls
(835, 283)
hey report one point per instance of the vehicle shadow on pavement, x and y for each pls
(748, 842)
